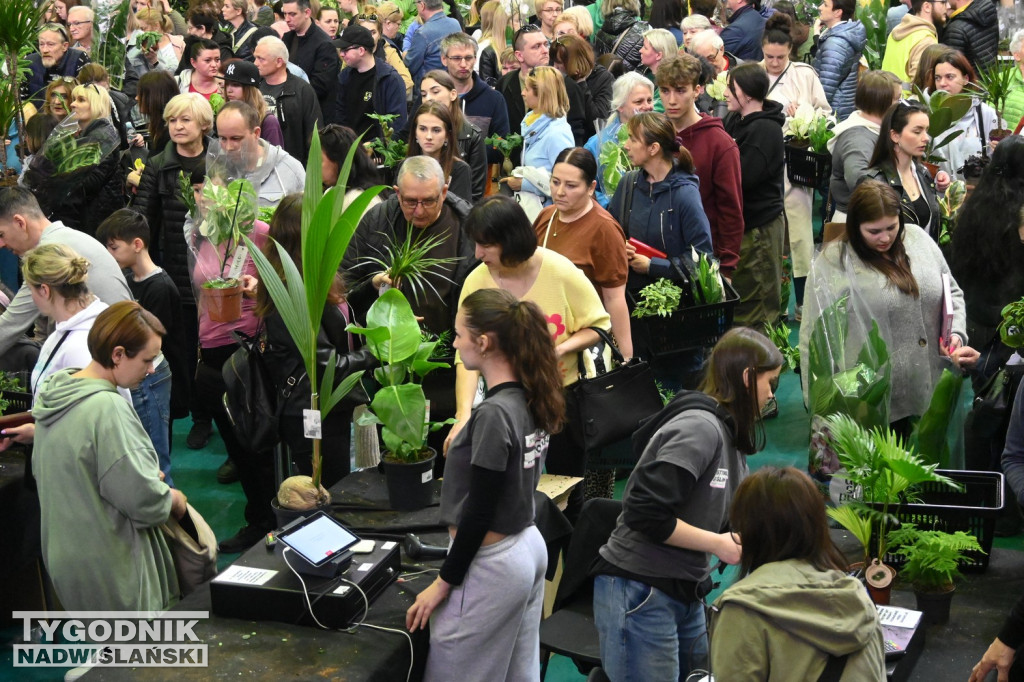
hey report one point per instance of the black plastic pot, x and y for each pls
(286, 516)
(935, 606)
(410, 486)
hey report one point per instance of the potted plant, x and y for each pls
(327, 229)
(878, 474)
(716, 91)
(229, 213)
(389, 152)
(505, 145)
(933, 557)
(808, 161)
(996, 82)
(1011, 328)
(944, 110)
(12, 393)
(400, 406)
(111, 22)
(872, 15)
(19, 23)
(614, 160)
(407, 261)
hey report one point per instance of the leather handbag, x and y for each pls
(194, 548)
(609, 407)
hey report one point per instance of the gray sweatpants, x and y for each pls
(488, 628)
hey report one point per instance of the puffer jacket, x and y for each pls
(839, 52)
(83, 198)
(474, 152)
(614, 25)
(975, 32)
(623, 35)
(159, 200)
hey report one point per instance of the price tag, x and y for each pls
(311, 426)
(238, 261)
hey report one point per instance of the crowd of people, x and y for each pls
(530, 264)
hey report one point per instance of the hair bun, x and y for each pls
(779, 21)
(78, 270)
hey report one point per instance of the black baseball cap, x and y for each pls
(354, 35)
(239, 71)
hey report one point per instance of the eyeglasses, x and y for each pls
(428, 204)
(463, 58)
(78, 23)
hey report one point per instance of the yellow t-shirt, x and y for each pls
(565, 296)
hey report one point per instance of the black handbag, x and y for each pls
(994, 401)
(609, 407)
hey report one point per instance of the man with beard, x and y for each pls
(916, 31)
(54, 60)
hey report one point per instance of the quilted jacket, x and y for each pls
(839, 52)
(975, 32)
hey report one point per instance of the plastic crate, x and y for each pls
(19, 401)
(807, 168)
(699, 326)
(973, 510)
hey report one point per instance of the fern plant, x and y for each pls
(933, 556)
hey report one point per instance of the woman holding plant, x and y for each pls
(794, 575)
(506, 245)
(632, 94)
(795, 85)
(953, 73)
(286, 364)
(155, 48)
(891, 272)
(488, 598)
(653, 572)
(432, 133)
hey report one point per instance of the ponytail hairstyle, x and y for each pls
(60, 268)
(731, 379)
(871, 201)
(651, 127)
(520, 332)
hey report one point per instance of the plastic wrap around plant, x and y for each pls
(225, 211)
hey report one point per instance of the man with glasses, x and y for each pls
(531, 48)
(53, 60)
(311, 50)
(973, 28)
(424, 51)
(292, 99)
(366, 85)
(709, 46)
(421, 203)
(80, 27)
(917, 30)
(481, 104)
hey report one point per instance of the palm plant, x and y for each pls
(327, 228)
(19, 22)
(996, 83)
(407, 261)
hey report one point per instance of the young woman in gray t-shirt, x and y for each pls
(490, 590)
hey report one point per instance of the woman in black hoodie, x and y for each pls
(756, 124)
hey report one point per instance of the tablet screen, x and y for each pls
(318, 538)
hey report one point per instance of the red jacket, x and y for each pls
(717, 161)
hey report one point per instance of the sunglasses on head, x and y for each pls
(59, 28)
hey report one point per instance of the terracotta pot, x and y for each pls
(935, 605)
(224, 305)
(879, 578)
(933, 168)
(999, 135)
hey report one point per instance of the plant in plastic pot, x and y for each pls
(300, 299)
(400, 406)
(933, 558)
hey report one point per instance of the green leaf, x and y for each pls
(421, 361)
(393, 311)
(403, 410)
(339, 392)
(931, 434)
(289, 299)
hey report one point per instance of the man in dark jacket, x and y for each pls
(481, 104)
(244, 34)
(54, 60)
(742, 37)
(367, 86)
(310, 49)
(973, 28)
(421, 203)
(294, 100)
(838, 52)
(204, 24)
(531, 51)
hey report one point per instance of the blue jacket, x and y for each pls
(424, 51)
(388, 97)
(839, 52)
(543, 141)
(668, 216)
(69, 65)
(593, 145)
(742, 37)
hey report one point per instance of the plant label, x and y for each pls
(311, 426)
(238, 261)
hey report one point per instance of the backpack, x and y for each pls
(250, 396)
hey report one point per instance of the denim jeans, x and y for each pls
(152, 401)
(646, 636)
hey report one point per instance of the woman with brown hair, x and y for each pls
(794, 577)
(432, 133)
(57, 100)
(439, 86)
(892, 273)
(654, 572)
(489, 594)
(954, 74)
(241, 82)
(573, 56)
(156, 89)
